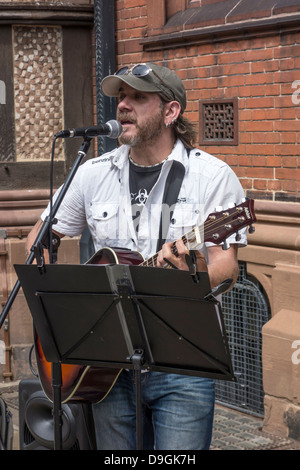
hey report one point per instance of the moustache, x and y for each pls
(124, 118)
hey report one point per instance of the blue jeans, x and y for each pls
(177, 413)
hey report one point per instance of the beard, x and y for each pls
(146, 133)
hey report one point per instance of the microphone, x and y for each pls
(111, 129)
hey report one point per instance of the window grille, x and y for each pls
(245, 311)
(218, 122)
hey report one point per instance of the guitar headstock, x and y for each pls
(221, 224)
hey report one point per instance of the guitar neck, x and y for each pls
(152, 262)
(217, 227)
(191, 240)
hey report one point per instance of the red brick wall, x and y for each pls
(262, 72)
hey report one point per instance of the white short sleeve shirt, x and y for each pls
(99, 196)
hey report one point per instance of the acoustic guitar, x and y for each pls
(92, 384)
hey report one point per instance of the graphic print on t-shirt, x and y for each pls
(139, 198)
(141, 181)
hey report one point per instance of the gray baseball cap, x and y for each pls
(147, 77)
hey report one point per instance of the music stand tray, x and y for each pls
(129, 317)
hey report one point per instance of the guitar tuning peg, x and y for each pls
(251, 229)
(226, 245)
(237, 236)
(218, 209)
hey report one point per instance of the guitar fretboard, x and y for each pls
(217, 227)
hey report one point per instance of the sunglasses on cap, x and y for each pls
(142, 70)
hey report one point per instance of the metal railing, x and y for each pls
(245, 310)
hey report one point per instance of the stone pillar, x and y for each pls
(273, 258)
(281, 356)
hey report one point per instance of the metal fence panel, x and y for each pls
(245, 310)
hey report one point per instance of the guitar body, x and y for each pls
(85, 383)
(92, 384)
(79, 383)
(116, 256)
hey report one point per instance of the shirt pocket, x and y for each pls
(184, 219)
(105, 219)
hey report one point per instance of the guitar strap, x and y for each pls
(172, 188)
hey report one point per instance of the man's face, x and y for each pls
(141, 115)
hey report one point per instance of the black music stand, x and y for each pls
(126, 317)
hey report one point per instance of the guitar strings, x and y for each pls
(190, 238)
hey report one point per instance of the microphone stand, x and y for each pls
(43, 238)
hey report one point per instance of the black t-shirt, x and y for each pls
(141, 181)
